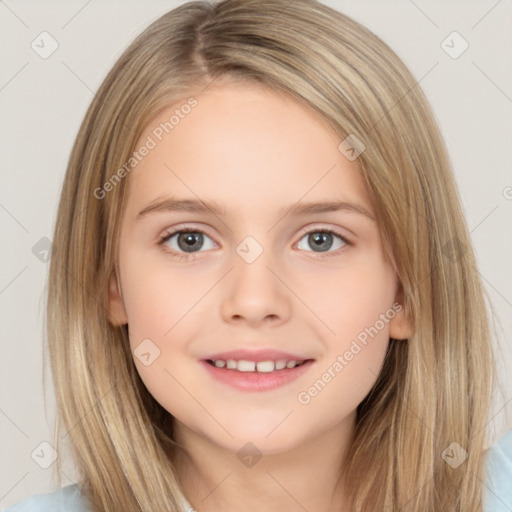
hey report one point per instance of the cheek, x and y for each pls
(159, 310)
(162, 306)
(353, 297)
(157, 297)
(339, 386)
(356, 304)
(353, 358)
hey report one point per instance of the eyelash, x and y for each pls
(183, 256)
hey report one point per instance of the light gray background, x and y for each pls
(44, 100)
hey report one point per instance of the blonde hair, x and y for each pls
(434, 388)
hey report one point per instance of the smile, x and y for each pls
(253, 366)
(245, 375)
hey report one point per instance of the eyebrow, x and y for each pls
(208, 207)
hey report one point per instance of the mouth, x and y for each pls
(256, 376)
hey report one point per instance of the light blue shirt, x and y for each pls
(497, 490)
(498, 484)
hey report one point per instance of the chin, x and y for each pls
(269, 437)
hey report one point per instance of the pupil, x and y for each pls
(317, 239)
(190, 241)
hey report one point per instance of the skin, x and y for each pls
(254, 151)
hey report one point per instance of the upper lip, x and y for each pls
(256, 355)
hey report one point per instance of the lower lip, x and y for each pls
(255, 381)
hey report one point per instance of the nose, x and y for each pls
(255, 293)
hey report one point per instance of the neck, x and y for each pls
(306, 477)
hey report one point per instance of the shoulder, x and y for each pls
(67, 499)
(498, 488)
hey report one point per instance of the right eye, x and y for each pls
(184, 241)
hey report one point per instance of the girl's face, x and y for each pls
(260, 274)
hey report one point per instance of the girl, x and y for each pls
(264, 294)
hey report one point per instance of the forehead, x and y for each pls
(244, 146)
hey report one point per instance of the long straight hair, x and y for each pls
(434, 388)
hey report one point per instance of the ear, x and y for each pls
(117, 312)
(400, 326)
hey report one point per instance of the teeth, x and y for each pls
(246, 366)
(266, 366)
(252, 366)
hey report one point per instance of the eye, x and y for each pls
(323, 241)
(185, 241)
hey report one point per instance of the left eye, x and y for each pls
(323, 240)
